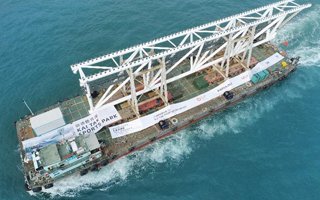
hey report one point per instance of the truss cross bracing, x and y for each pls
(139, 69)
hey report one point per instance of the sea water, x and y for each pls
(267, 147)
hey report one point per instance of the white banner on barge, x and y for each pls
(178, 108)
(87, 125)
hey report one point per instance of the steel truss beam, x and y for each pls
(240, 34)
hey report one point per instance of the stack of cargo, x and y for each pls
(256, 78)
(150, 104)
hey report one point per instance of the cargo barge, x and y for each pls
(154, 90)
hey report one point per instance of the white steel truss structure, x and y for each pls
(149, 66)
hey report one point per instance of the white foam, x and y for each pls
(112, 174)
(239, 117)
(174, 149)
(303, 36)
(310, 56)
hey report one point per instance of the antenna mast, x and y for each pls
(25, 103)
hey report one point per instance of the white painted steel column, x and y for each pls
(163, 87)
(253, 31)
(134, 101)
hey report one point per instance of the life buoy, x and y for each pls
(174, 121)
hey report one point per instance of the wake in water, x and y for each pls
(304, 41)
(303, 36)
